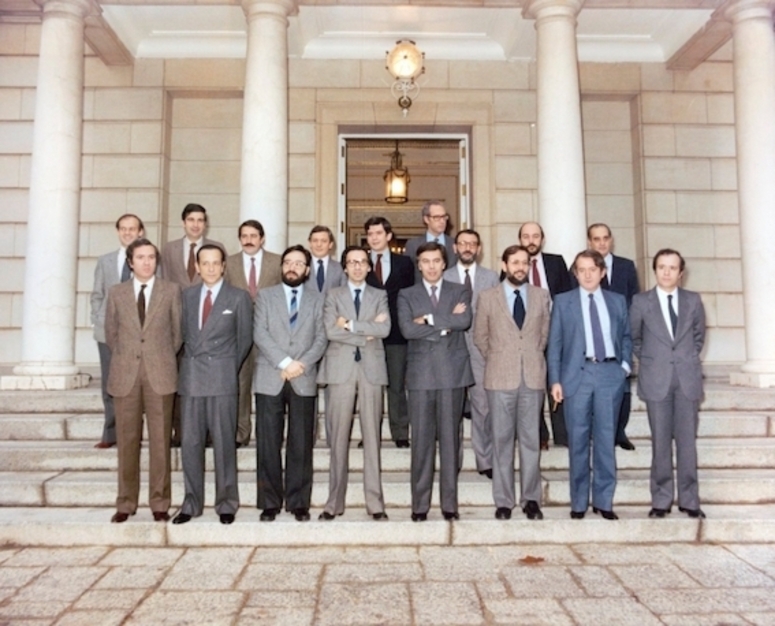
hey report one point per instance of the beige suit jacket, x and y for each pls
(155, 344)
(271, 271)
(509, 353)
(174, 269)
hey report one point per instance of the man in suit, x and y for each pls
(356, 318)
(588, 357)
(143, 332)
(434, 315)
(547, 271)
(391, 272)
(476, 279)
(290, 336)
(511, 328)
(326, 272)
(251, 269)
(620, 277)
(217, 336)
(112, 268)
(668, 332)
(436, 220)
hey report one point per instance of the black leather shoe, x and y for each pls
(175, 443)
(544, 445)
(577, 514)
(695, 513)
(325, 516)
(161, 516)
(268, 515)
(402, 443)
(532, 510)
(658, 512)
(238, 444)
(360, 444)
(419, 517)
(380, 516)
(450, 516)
(487, 472)
(625, 444)
(605, 514)
(119, 518)
(502, 513)
(226, 518)
(181, 518)
(301, 515)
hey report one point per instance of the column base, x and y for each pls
(54, 382)
(752, 379)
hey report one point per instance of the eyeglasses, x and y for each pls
(357, 263)
(467, 244)
(438, 217)
(294, 264)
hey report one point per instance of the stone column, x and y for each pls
(754, 71)
(48, 321)
(264, 176)
(561, 188)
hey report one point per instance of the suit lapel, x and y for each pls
(684, 315)
(219, 306)
(154, 304)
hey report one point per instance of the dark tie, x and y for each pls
(673, 316)
(519, 309)
(536, 275)
(434, 297)
(357, 314)
(378, 269)
(467, 282)
(191, 262)
(207, 307)
(597, 329)
(604, 283)
(294, 308)
(321, 275)
(141, 304)
(252, 284)
(126, 272)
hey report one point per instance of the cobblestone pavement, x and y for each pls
(583, 584)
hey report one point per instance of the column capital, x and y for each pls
(542, 9)
(279, 8)
(76, 8)
(740, 10)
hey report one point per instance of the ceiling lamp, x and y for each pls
(396, 180)
(405, 63)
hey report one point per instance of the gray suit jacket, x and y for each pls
(338, 364)
(335, 276)
(105, 276)
(275, 340)
(659, 355)
(173, 268)
(485, 279)
(416, 242)
(213, 355)
(434, 361)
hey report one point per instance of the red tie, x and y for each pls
(378, 269)
(536, 275)
(252, 285)
(207, 307)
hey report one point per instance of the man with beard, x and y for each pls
(547, 271)
(290, 336)
(476, 279)
(511, 328)
(251, 269)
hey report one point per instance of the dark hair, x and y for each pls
(590, 254)
(349, 249)
(193, 208)
(127, 216)
(540, 228)
(432, 246)
(512, 250)
(667, 252)
(597, 225)
(469, 231)
(378, 221)
(138, 243)
(211, 246)
(251, 224)
(321, 229)
(298, 248)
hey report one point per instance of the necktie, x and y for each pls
(434, 297)
(519, 309)
(294, 308)
(252, 284)
(673, 316)
(141, 304)
(378, 269)
(604, 283)
(321, 275)
(126, 272)
(191, 262)
(467, 282)
(357, 314)
(536, 276)
(597, 329)
(207, 307)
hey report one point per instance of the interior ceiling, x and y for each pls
(371, 157)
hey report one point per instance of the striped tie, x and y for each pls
(294, 308)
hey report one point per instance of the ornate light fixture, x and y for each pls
(405, 63)
(396, 180)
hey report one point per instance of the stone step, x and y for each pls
(53, 526)
(98, 488)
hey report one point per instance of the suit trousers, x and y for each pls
(513, 417)
(339, 414)
(624, 415)
(398, 411)
(218, 416)
(592, 412)
(109, 428)
(435, 414)
(270, 424)
(129, 431)
(675, 417)
(245, 397)
(557, 417)
(481, 422)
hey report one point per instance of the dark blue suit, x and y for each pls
(592, 394)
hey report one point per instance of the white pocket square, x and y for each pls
(228, 312)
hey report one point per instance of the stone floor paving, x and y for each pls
(577, 584)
